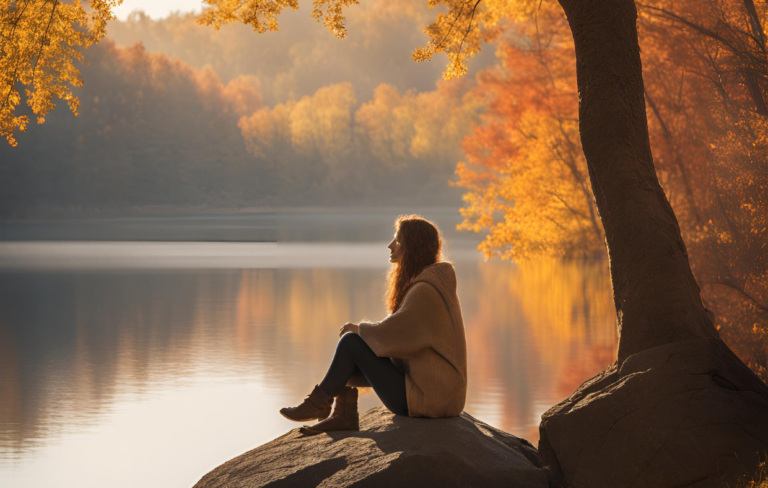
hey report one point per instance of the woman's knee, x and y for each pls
(350, 339)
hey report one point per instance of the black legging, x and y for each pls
(353, 356)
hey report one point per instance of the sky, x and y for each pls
(157, 8)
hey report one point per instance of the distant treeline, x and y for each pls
(150, 131)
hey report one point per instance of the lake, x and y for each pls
(147, 351)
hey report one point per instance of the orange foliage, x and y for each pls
(468, 23)
(365, 147)
(320, 126)
(394, 127)
(241, 95)
(425, 126)
(40, 41)
(706, 73)
(526, 161)
(262, 16)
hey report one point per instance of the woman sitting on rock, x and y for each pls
(416, 358)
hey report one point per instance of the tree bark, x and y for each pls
(656, 296)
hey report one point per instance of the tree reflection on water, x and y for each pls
(77, 346)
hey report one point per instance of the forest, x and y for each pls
(527, 181)
(305, 128)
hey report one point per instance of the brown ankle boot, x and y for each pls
(317, 405)
(343, 417)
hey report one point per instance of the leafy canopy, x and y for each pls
(459, 32)
(39, 42)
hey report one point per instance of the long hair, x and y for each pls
(423, 245)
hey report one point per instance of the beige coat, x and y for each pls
(425, 337)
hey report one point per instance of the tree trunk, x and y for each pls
(677, 408)
(656, 296)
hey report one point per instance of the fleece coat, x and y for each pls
(425, 339)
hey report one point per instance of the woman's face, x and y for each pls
(396, 250)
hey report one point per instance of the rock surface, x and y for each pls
(687, 413)
(389, 451)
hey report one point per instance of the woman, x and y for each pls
(416, 358)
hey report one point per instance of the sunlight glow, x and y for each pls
(157, 9)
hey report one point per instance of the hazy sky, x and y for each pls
(156, 8)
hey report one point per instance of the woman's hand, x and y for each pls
(349, 327)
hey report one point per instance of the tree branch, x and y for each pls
(675, 156)
(42, 41)
(469, 27)
(757, 304)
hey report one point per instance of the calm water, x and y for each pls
(128, 364)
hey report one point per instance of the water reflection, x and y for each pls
(160, 375)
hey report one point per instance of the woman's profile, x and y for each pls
(415, 359)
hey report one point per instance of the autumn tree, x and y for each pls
(671, 366)
(707, 73)
(40, 43)
(525, 170)
(704, 70)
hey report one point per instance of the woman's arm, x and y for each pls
(410, 329)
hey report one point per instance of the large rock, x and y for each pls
(389, 451)
(687, 413)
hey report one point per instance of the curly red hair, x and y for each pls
(423, 244)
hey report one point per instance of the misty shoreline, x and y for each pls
(116, 255)
(276, 224)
